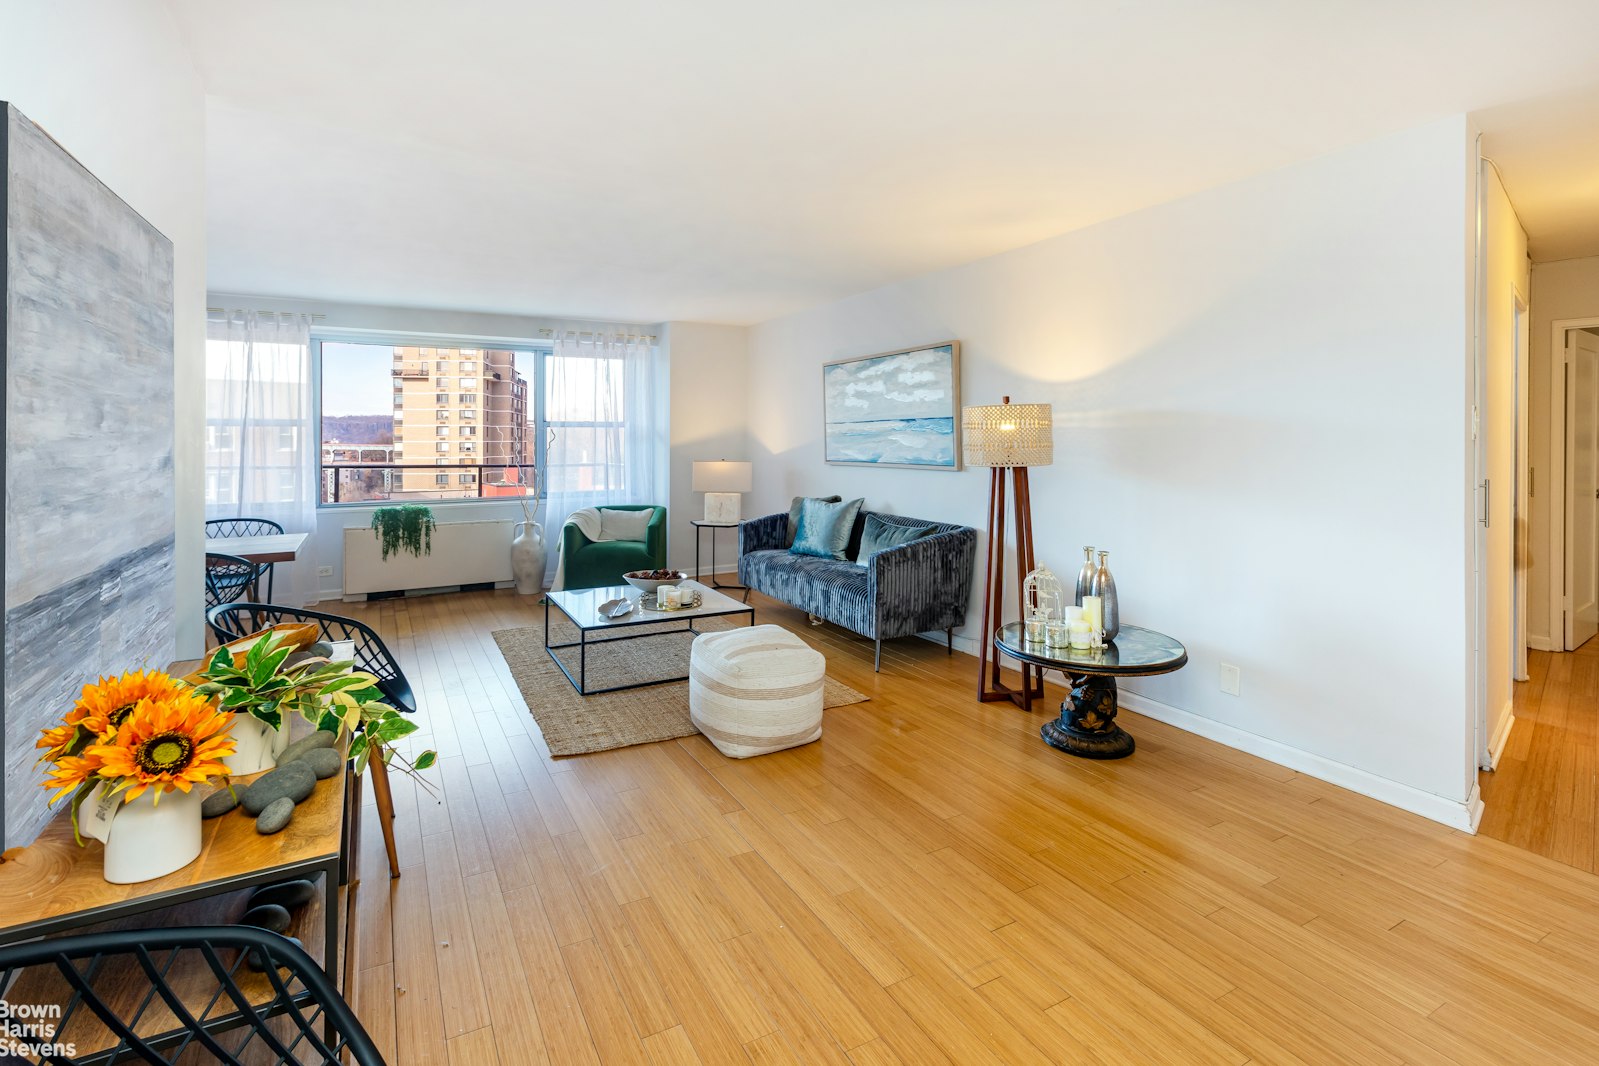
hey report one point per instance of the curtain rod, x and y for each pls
(237, 310)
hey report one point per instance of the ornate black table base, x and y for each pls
(1087, 723)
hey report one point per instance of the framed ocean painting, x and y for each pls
(895, 409)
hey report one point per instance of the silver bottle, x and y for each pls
(1085, 576)
(1104, 586)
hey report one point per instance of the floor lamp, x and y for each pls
(1006, 437)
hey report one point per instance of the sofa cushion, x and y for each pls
(617, 524)
(825, 528)
(794, 515)
(880, 536)
(827, 588)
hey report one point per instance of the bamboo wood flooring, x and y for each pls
(931, 884)
(1544, 794)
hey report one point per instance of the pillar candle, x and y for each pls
(1093, 607)
(1081, 635)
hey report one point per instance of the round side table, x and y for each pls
(1087, 723)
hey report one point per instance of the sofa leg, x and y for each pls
(877, 662)
(949, 639)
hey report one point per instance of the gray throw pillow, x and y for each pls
(824, 528)
(880, 535)
(794, 515)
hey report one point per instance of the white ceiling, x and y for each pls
(733, 160)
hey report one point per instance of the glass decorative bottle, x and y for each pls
(1104, 586)
(1085, 576)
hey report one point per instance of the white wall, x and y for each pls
(709, 395)
(1565, 289)
(1506, 280)
(112, 82)
(1260, 396)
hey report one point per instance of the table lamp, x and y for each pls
(1006, 436)
(723, 483)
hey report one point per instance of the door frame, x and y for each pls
(1558, 632)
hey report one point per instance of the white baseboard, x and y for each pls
(1453, 813)
(1496, 743)
(1537, 643)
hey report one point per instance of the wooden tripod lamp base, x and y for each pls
(1008, 438)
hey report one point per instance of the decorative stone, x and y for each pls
(218, 803)
(278, 814)
(285, 894)
(258, 964)
(322, 738)
(324, 762)
(294, 781)
(271, 917)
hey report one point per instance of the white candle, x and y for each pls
(1092, 612)
(666, 596)
(1074, 613)
(1081, 635)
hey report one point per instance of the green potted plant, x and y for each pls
(405, 527)
(265, 687)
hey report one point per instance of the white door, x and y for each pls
(1582, 509)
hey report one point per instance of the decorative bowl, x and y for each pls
(639, 580)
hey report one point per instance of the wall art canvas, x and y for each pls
(898, 409)
(86, 332)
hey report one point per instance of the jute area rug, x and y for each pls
(573, 724)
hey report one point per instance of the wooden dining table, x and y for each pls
(267, 548)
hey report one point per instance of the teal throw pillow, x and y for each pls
(794, 506)
(879, 535)
(824, 528)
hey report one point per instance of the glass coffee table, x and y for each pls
(582, 608)
(1087, 723)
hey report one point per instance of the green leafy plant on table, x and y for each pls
(333, 695)
(407, 527)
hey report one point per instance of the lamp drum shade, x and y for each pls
(1007, 435)
(723, 476)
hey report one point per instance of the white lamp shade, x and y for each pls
(1008, 434)
(723, 476)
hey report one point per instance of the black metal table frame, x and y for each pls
(582, 644)
(700, 526)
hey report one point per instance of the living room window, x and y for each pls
(371, 382)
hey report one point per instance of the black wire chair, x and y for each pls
(231, 621)
(228, 578)
(224, 528)
(189, 994)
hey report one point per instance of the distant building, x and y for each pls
(456, 410)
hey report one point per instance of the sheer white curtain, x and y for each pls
(261, 441)
(605, 407)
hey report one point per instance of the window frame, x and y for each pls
(537, 350)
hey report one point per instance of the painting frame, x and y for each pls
(948, 354)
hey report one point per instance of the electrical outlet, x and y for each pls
(324, 571)
(1230, 678)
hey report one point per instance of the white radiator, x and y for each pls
(464, 553)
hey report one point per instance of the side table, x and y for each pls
(1087, 723)
(700, 526)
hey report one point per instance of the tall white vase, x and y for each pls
(149, 839)
(256, 745)
(528, 556)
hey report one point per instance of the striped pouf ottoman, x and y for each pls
(756, 690)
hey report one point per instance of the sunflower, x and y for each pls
(165, 743)
(107, 703)
(71, 772)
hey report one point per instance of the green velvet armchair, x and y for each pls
(596, 564)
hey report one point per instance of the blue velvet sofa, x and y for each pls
(920, 587)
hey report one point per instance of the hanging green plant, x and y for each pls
(408, 527)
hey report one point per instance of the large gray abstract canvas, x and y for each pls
(87, 335)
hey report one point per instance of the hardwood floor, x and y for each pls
(1544, 795)
(929, 884)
